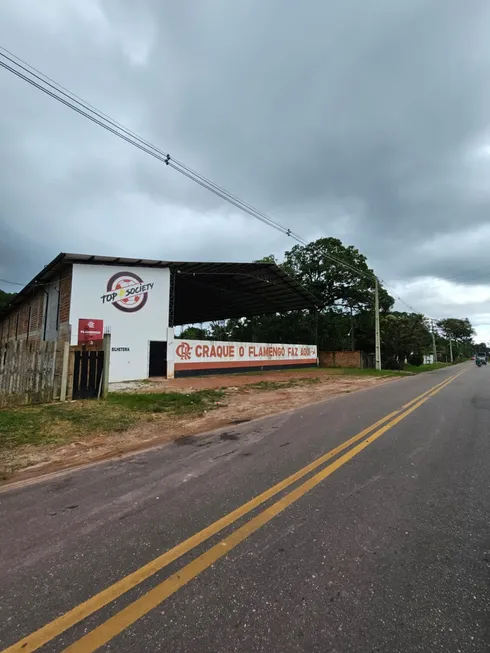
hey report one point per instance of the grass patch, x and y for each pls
(59, 423)
(176, 403)
(328, 371)
(296, 368)
(352, 371)
(279, 385)
(321, 373)
(417, 369)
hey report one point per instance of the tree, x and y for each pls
(458, 329)
(460, 332)
(482, 348)
(270, 258)
(295, 327)
(5, 298)
(321, 266)
(345, 318)
(194, 333)
(341, 279)
(403, 335)
(222, 329)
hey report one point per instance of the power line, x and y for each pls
(396, 296)
(131, 137)
(36, 284)
(90, 112)
(13, 283)
(175, 164)
(67, 97)
(68, 93)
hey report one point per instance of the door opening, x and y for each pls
(158, 358)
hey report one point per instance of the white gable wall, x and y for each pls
(133, 302)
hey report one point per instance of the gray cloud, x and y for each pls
(354, 119)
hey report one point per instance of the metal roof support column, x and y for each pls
(171, 299)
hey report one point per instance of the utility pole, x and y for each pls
(377, 339)
(352, 333)
(434, 348)
(450, 348)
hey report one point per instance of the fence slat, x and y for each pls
(27, 372)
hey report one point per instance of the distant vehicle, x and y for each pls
(481, 359)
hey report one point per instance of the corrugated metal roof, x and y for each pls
(204, 291)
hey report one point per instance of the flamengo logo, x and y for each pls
(184, 351)
(127, 292)
(90, 330)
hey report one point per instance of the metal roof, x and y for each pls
(203, 291)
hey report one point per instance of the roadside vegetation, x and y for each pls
(59, 423)
(340, 278)
(417, 369)
(77, 431)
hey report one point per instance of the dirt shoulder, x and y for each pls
(231, 381)
(42, 439)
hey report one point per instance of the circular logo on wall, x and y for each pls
(127, 292)
(184, 351)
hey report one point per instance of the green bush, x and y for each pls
(392, 364)
(416, 360)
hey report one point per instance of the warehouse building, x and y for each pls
(77, 297)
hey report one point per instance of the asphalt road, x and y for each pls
(383, 544)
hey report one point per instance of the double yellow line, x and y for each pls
(135, 610)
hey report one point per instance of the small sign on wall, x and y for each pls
(90, 330)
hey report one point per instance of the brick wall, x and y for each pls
(37, 316)
(26, 320)
(340, 359)
(65, 295)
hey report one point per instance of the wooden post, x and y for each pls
(71, 365)
(53, 370)
(64, 371)
(107, 364)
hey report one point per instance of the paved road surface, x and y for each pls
(381, 545)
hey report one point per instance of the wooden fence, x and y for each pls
(31, 372)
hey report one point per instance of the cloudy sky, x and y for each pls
(365, 120)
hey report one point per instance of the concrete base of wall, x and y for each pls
(240, 370)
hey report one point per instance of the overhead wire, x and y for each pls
(154, 151)
(13, 283)
(36, 284)
(105, 121)
(130, 136)
(68, 93)
(181, 167)
(396, 296)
